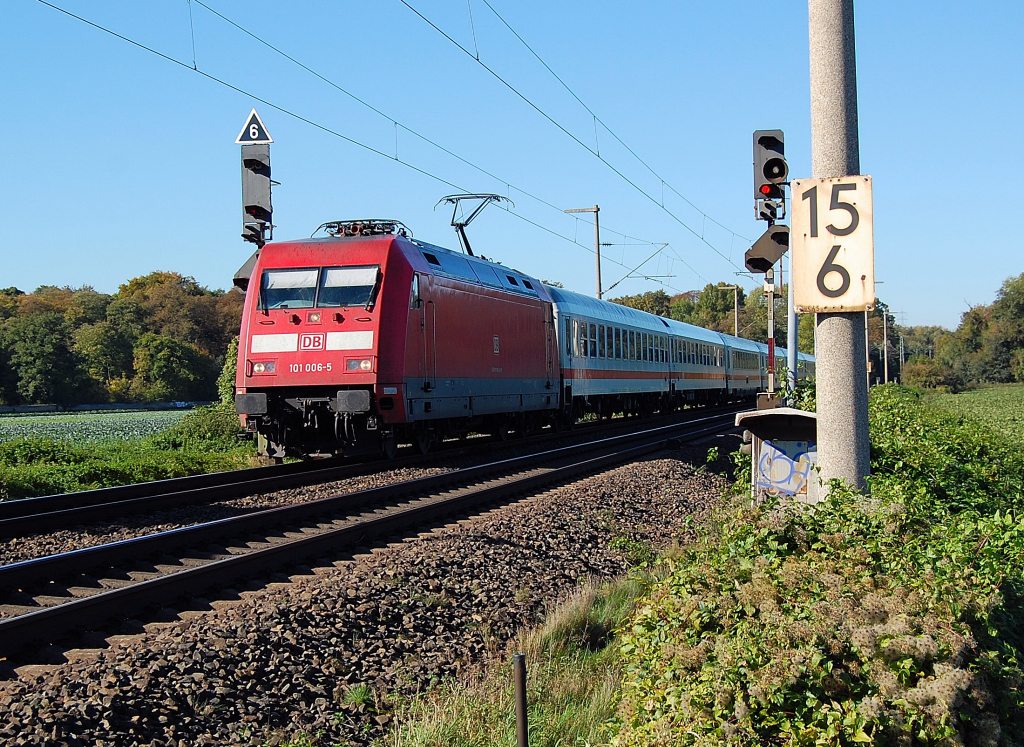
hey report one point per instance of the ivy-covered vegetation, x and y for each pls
(889, 619)
(161, 337)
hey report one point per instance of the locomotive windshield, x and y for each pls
(326, 287)
(347, 286)
(288, 289)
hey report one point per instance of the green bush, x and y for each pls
(211, 428)
(890, 619)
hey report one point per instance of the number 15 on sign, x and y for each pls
(833, 244)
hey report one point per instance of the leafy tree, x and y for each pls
(653, 302)
(127, 317)
(107, 353)
(682, 306)
(9, 301)
(87, 307)
(929, 373)
(170, 369)
(41, 354)
(805, 333)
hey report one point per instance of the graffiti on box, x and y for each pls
(783, 466)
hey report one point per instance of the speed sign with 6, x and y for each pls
(833, 244)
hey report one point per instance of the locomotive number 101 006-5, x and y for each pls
(308, 367)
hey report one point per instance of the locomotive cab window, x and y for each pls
(288, 289)
(414, 298)
(348, 286)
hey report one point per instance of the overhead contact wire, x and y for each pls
(300, 118)
(592, 151)
(600, 121)
(391, 119)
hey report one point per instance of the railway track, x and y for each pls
(50, 513)
(46, 599)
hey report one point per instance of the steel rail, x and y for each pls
(48, 513)
(51, 623)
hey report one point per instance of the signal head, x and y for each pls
(770, 170)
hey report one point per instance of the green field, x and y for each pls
(89, 427)
(1000, 408)
(43, 455)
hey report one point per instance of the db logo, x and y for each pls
(312, 342)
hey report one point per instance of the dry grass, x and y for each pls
(573, 681)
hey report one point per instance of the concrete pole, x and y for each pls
(885, 344)
(867, 347)
(843, 449)
(769, 284)
(792, 332)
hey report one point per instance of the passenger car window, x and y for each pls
(288, 289)
(347, 286)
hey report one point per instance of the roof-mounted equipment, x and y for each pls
(370, 227)
(460, 225)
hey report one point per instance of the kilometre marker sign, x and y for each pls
(833, 245)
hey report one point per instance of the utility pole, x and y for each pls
(843, 447)
(867, 347)
(769, 286)
(597, 242)
(885, 343)
(735, 308)
(792, 332)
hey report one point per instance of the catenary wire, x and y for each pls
(592, 151)
(394, 121)
(312, 123)
(600, 121)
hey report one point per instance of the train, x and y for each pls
(367, 338)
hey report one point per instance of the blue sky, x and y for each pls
(118, 162)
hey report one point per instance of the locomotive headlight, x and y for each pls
(359, 364)
(263, 367)
(259, 367)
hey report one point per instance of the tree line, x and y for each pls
(160, 337)
(714, 308)
(987, 347)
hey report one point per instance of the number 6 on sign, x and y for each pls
(833, 244)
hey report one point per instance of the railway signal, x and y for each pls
(257, 209)
(770, 173)
(768, 249)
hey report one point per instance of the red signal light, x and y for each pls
(766, 189)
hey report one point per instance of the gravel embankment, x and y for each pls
(282, 659)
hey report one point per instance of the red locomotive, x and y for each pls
(368, 338)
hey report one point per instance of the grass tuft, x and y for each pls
(572, 681)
